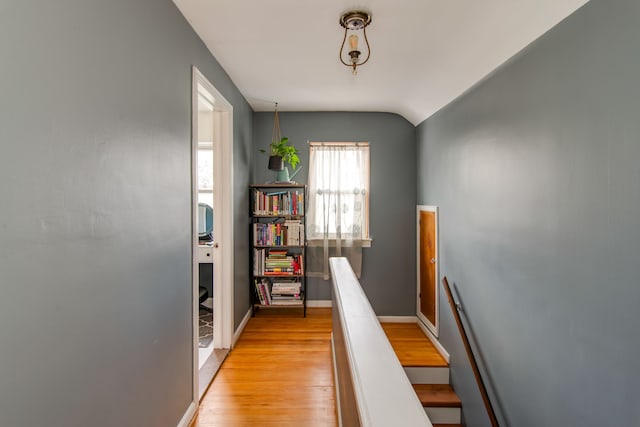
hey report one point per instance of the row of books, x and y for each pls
(286, 293)
(276, 262)
(278, 293)
(289, 233)
(278, 203)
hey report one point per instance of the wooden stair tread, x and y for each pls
(437, 395)
(412, 346)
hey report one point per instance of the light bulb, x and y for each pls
(353, 42)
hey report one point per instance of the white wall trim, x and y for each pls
(398, 319)
(186, 419)
(435, 342)
(319, 303)
(241, 326)
(223, 219)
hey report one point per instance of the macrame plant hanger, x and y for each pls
(275, 134)
(275, 162)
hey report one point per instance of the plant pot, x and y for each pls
(276, 163)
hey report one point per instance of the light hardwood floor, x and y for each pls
(279, 374)
(412, 346)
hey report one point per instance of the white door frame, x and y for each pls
(222, 221)
(434, 329)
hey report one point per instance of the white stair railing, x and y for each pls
(372, 388)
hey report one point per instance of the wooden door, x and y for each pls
(427, 267)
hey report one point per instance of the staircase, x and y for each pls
(427, 370)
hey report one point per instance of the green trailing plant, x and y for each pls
(282, 148)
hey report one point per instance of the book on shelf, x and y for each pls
(288, 233)
(273, 203)
(286, 287)
(287, 302)
(285, 291)
(259, 295)
(279, 292)
(276, 262)
(286, 296)
(296, 297)
(263, 292)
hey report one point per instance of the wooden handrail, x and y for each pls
(455, 308)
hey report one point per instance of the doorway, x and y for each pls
(212, 230)
(427, 264)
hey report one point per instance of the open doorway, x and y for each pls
(212, 141)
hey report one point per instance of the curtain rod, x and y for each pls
(338, 144)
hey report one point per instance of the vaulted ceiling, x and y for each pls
(424, 53)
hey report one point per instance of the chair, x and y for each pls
(204, 294)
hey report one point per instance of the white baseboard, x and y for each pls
(188, 415)
(317, 303)
(397, 319)
(238, 332)
(435, 342)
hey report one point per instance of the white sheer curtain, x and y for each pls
(338, 212)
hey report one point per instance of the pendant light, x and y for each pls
(354, 22)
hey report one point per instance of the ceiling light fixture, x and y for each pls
(354, 21)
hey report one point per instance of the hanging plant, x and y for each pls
(283, 149)
(280, 146)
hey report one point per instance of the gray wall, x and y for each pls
(388, 274)
(95, 252)
(537, 175)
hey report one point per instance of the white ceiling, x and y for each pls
(425, 53)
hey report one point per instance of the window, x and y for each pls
(205, 173)
(338, 211)
(205, 181)
(339, 191)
